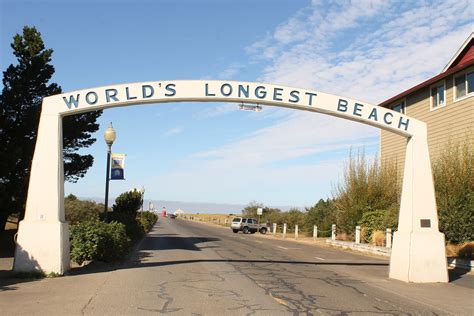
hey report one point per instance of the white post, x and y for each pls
(296, 231)
(274, 229)
(388, 238)
(284, 230)
(357, 234)
(315, 232)
(333, 232)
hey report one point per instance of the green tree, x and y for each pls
(294, 217)
(323, 215)
(251, 209)
(267, 212)
(24, 86)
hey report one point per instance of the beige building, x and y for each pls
(445, 102)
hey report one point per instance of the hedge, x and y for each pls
(96, 240)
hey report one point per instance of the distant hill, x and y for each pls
(191, 207)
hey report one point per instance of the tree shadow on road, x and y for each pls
(169, 242)
(144, 249)
(253, 261)
(8, 277)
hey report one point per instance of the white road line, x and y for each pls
(284, 248)
(320, 258)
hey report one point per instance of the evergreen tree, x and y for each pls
(24, 87)
(322, 214)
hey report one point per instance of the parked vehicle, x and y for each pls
(172, 216)
(248, 226)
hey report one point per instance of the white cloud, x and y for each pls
(351, 50)
(215, 110)
(296, 136)
(230, 71)
(173, 131)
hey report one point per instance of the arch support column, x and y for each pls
(43, 235)
(418, 252)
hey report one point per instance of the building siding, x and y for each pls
(453, 122)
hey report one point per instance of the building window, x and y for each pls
(437, 96)
(399, 107)
(464, 85)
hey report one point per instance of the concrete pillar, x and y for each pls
(296, 231)
(411, 259)
(333, 232)
(315, 232)
(274, 229)
(357, 234)
(284, 230)
(388, 238)
(43, 235)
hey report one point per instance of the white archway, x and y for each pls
(418, 253)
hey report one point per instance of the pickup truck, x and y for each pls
(248, 226)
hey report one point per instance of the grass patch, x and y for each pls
(54, 275)
(219, 219)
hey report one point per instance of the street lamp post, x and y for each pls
(109, 137)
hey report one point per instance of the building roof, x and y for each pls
(463, 58)
(464, 53)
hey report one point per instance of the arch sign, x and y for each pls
(418, 253)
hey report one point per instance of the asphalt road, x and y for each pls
(187, 268)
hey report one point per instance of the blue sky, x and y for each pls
(212, 152)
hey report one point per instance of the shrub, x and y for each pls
(378, 220)
(147, 219)
(367, 186)
(453, 174)
(133, 228)
(128, 202)
(96, 240)
(79, 211)
(125, 211)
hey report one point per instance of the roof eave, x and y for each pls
(459, 51)
(427, 83)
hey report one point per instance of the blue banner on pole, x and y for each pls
(118, 166)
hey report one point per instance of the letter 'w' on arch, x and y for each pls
(418, 253)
